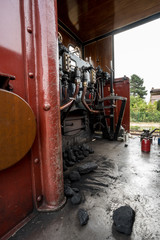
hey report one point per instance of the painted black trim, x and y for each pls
(120, 118)
(61, 24)
(125, 28)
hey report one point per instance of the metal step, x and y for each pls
(110, 106)
(108, 116)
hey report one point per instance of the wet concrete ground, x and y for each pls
(125, 175)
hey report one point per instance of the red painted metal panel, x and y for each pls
(28, 36)
(15, 195)
(121, 88)
(29, 51)
(11, 57)
(49, 103)
(15, 182)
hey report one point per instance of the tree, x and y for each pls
(158, 105)
(136, 86)
(137, 104)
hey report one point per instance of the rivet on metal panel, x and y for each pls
(39, 198)
(31, 75)
(36, 160)
(46, 106)
(29, 29)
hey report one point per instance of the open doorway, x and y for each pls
(137, 56)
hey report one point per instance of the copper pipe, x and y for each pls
(84, 102)
(65, 93)
(71, 100)
(66, 105)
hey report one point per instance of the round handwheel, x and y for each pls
(17, 128)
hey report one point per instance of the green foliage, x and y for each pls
(140, 111)
(158, 105)
(135, 128)
(137, 103)
(136, 86)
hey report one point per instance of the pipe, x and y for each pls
(111, 101)
(97, 94)
(66, 104)
(71, 100)
(84, 102)
(50, 169)
(153, 131)
(65, 93)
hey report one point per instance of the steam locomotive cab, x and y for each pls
(57, 93)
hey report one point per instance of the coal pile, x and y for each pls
(72, 156)
(74, 176)
(123, 218)
(87, 167)
(72, 193)
(75, 154)
(76, 199)
(68, 191)
(83, 216)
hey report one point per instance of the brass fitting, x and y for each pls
(85, 84)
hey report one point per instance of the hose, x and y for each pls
(84, 102)
(71, 99)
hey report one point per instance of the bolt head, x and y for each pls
(46, 106)
(29, 29)
(31, 75)
(36, 160)
(39, 198)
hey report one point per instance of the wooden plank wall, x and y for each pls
(100, 52)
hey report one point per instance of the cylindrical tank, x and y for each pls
(145, 145)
